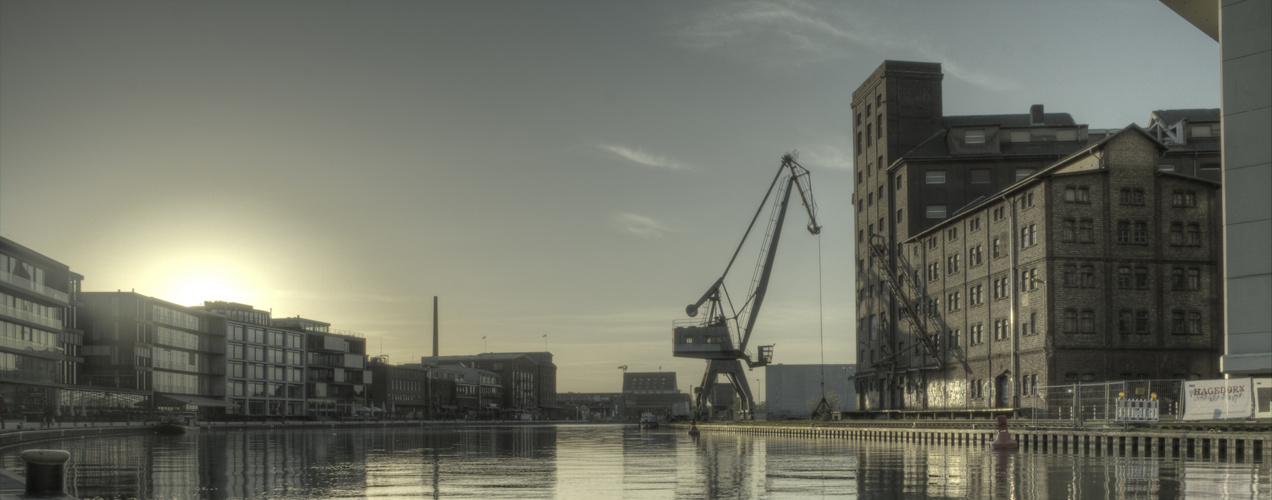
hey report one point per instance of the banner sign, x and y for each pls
(1217, 399)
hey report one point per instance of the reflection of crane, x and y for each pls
(709, 338)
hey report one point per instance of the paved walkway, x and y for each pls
(11, 485)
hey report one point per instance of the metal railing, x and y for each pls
(1083, 402)
(27, 284)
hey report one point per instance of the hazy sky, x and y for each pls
(576, 169)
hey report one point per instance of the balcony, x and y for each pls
(27, 284)
(29, 376)
(14, 312)
(23, 345)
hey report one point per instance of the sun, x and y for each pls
(194, 290)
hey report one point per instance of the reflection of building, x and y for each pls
(528, 378)
(139, 343)
(39, 337)
(999, 253)
(589, 405)
(336, 365)
(653, 392)
(1242, 30)
(789, 388)
(265, 370)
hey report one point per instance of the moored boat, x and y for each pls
(648, 421)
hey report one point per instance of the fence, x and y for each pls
(1098, 401)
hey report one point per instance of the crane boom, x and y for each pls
(712, 340)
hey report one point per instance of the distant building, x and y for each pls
(999, 253)
(788, 389)
(590, 405)
(336, 365)
(528, 379)
(39, 336)
(653, 392)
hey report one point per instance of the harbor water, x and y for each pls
(609, 461)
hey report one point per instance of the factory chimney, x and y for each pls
(434, 326)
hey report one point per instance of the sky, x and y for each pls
(562, 175)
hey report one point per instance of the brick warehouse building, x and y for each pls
(1029, 250)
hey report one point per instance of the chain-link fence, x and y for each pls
(1097, 401)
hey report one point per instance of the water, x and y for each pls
(601, 461)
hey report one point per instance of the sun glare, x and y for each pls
(196, 290)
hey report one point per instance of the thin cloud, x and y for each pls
(825, 157)
(641, 157)
(792, 33)
(639, 225)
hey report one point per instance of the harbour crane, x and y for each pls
(710, 337)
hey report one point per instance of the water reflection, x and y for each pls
(608, 462)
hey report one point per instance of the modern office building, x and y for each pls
(1243, 29)
(985, 242)
(172, 354)
(336, 365)
(789, 389)
(265, 365)
(39, 335)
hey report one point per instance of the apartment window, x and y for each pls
(974, 256)
(954, 301)
(1069, 230)
(869, 199)
(899, 217)
(879, 162)
(975, 334)
(974, 136)
(951, 264)
(997, 248)
(1070, 275)
(1132, 196)
(951, 234)
(1086, 277)
(869, 135)
(1085, 232)
(858, 119)
(974, 224)
(932, 242)
(1000, 213)
(860, 149)
(1194, 278)
(1026, 200)
(1193, 235)
(935, 176)
(1029, 280)
(1070, 323)
(936, 211)
(1185, 322)
(933, 272)
(1125, 322)
(879, 129)
(976, 295)
(954, 338)
(1184, 198)
(900, 181)
(1028, 236)
(1022, 173)
(1077, 194)
(1086, 321)
(1124, 279)
(1000, 288)
(979, 176)
(1141, 278)
(1020, 136)
(1141, 322)
(859, 175)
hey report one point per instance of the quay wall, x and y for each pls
(1231, 446)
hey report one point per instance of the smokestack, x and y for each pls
(434, 326)
(1035, 114)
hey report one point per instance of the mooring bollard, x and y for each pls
(1004, 441)
(45, 473)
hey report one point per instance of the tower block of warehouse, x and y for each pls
(996, 254)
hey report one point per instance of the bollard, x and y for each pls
(44, 477)
(1004, 441)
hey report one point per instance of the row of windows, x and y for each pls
(1132, 321)
(975, 176)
